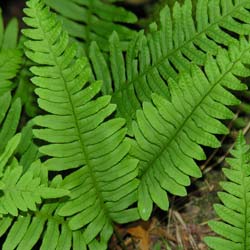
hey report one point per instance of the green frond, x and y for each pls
(27, 149)
(169, 133)
(168, 49)
(8, 152)
(94, 20)
(44, 228)
(25, 88)
(234, 227)
(10, 56)
(10, 61)
(23, 191)
(8, 35)
(9, 118)
(77, 131)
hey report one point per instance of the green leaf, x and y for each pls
(9, 151)
(234, 227)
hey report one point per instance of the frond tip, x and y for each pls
(234, 228)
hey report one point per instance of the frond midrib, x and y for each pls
(151, 163)
(78, 131)
(125, 85)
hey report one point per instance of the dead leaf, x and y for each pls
(141, 232)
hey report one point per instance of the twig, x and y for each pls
(191, 239)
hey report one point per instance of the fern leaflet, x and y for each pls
(234, 212)
(9, 118)
(10, 56)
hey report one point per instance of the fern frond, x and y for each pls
(10, 61)
(168, 49)
(10, 56)
(77, 131)
(8, 35)
(23, 191)
(27, 149)
(25, 89)
(169, 133)
(234, 212)
(8, 152)
(44, 228)
(9, 118)
(94, 20)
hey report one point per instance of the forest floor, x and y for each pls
(184, 226)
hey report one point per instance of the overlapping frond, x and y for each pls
(105, 184)
(8, 35)
(27, 150)
(10, 56)
(44, 229)
(9, 118)
(169, 133)
(19, 190)
(22, 191)
(10, 61)
(25, 89)
(234, 227)
(94, 20)
(168, 49)
(8, 152)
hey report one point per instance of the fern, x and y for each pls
(25, 89)
(9, 118)
(234, 212)
(19, 190)
(27, 150)
(78, 135)
(71, 173)
(8, 152)
(44, 227)
(168, 133)
(10, 56)
(22, 191)
(167, 50)
(23, 188)
(94, 20)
